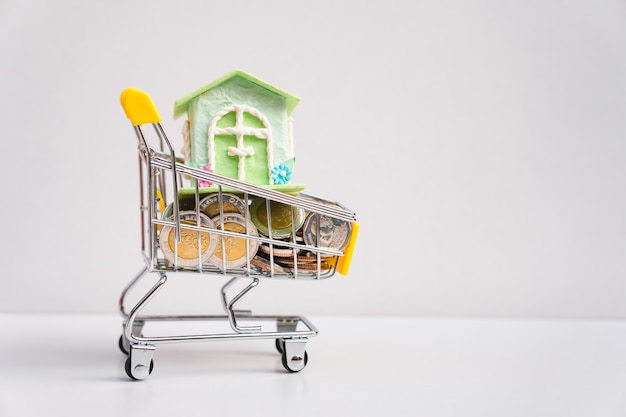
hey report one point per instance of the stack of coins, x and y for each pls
(306, 263)
(282, 247)
(265, 266)
(234, 252)
(288, 258)
(290, 232)
(230, 212)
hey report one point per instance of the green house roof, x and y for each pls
(181, 105)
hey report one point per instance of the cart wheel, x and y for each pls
(294, 363)
(122, 346)
(129, 371)
(280, 345)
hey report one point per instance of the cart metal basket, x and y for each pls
(195, 221)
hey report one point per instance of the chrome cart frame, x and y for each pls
(171, 212)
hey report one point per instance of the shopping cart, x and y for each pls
(195, 221)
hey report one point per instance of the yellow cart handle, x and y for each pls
(139, 107)
(344, 262)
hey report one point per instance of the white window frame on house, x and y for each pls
(239, 131)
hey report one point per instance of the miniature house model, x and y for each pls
(240, 127)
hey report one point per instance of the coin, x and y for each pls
(265, 265)
(279, 251)
(307, 258)
(333, 233)
(306, 266)
(190, 241)
(237, 249)
(210, 205)
(281, 218)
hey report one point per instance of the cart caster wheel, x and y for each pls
(139, 373)
(296, 363)
(123, 345)
(280, 345)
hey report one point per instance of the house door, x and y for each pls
(240, 144)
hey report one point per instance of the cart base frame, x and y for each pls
(289, 340)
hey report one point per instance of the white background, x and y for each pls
(481, 143)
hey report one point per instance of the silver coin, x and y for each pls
(333, 233)
(278, 251)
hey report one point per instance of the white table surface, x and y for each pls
(70, 365)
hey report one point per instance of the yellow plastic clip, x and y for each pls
(344, 262)
(159, 197)
(139, 107)
(161, 201)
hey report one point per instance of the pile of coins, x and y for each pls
(288, 258)
(224, 251)
(299, 228)
(285, 232)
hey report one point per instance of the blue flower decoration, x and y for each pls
(281, 174)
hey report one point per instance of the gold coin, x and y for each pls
(189, 242)
(237, 250)
(195, 247)
(281, 218)
(210, 205)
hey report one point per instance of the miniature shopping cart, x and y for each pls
(195, 221)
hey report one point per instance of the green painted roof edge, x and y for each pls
(181, 105)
